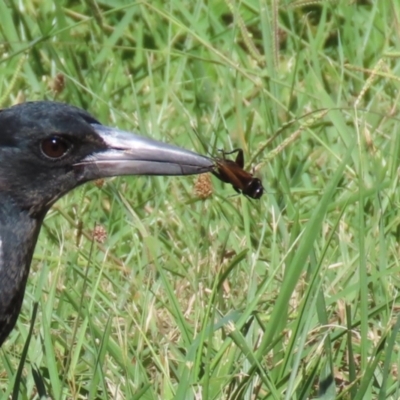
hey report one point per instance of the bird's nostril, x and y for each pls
(54, 147)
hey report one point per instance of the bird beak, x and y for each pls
(130, 154)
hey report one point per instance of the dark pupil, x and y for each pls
(54, 147)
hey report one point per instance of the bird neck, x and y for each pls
(18, 236)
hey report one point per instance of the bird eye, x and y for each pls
(54, 147)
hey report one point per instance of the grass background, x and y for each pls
(294, 296)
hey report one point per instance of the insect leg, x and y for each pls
(239, 158)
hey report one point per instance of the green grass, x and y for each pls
(223, 298)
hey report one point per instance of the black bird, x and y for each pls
(46, 150)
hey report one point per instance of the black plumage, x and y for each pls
(46, 150)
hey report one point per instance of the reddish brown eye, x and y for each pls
(54, 147)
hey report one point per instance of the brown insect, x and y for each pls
(232, 172)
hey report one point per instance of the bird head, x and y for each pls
(49, 148)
